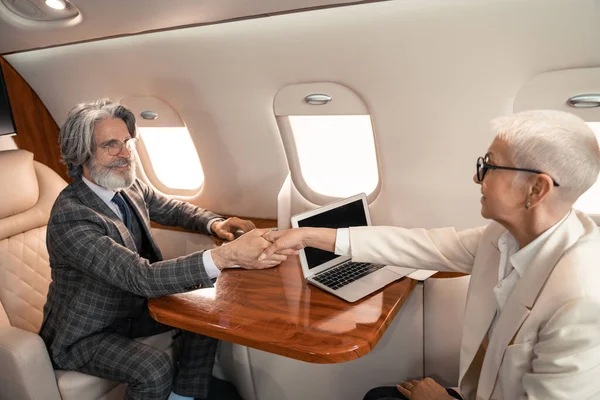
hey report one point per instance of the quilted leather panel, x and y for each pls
(18, 180)
(24, 278)
(50, 185)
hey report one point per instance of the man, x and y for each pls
(105, 263)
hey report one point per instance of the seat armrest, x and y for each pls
(27, 372)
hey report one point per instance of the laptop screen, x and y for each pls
(351, 214)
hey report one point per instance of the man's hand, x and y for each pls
(425, 389)
(226, 229)
(244, 251)
(296, 239)
(291, 239)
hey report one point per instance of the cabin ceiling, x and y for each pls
(102, 18)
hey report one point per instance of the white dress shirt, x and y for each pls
(107, 195)
(513, 262)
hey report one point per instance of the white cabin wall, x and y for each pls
(433, 73)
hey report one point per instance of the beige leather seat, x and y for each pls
(27, 192)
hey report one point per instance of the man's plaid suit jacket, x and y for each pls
(98, 278)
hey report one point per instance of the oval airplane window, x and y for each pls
(168, 154)
(336, 153)
(173, 156)
(328, 137)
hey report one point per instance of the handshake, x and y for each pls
(246, 250)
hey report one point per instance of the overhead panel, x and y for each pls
(39, 14)
(31, 24)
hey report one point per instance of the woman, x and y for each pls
(532, 318)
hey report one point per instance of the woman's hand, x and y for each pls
(425, 389)
(297, 239)
(291, 239)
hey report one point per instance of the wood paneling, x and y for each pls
(277, 311)
(37, 131)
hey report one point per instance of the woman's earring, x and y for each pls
(527, 205)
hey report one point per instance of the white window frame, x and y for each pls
(184, 130)
(289, 101)
(167, 118)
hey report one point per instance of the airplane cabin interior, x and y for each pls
(265, 110)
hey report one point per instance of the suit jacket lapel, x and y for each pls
(522, 299)
(90, 199)
(480, 308)
(134, 200)
(512, 317)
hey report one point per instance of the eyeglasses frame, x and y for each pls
(130, 143)
(484, 166)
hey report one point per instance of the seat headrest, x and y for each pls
(19, 188)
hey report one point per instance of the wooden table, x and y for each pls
(275, 310)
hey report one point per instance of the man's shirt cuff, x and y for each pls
(209, 265)
(342, 242)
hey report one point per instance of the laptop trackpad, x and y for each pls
(367, 285)
(380, 278)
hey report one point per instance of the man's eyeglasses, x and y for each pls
(114, 147)
(483, 166)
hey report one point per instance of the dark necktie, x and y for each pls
(120, 202)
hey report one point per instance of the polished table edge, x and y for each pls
(447, 275)
(361, 346)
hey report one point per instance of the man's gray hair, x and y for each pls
(76, 138)
(557, 143)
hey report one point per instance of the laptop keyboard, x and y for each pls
(345, 273)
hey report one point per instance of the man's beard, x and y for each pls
(109, 177)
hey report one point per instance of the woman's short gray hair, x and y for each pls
(76, 138)
(558, 143)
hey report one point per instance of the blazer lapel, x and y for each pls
(134, 200)
(522, 299)
(512, 317)
(90, 199)
(480, 307)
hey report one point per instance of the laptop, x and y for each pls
(335, 274)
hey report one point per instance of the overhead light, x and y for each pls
(56, 4)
